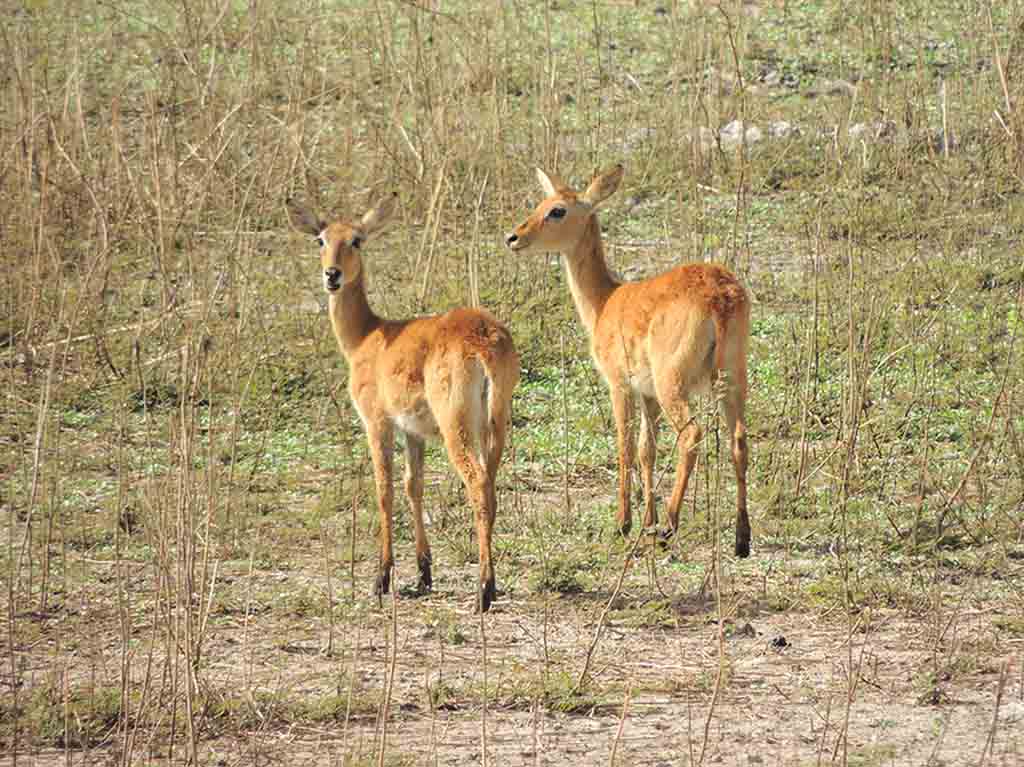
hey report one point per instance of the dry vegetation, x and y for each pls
(188, 538)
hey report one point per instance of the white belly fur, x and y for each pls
(642, 382)
(419, 421)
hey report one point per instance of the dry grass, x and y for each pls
(188, 536)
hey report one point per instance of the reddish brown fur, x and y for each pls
(425, 377)
(658, 340)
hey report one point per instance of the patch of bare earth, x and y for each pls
(789, 688)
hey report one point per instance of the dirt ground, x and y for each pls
(797, 688)
(784, 702)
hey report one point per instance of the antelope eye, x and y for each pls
(357, 241)
(320, 240)
(556, 213)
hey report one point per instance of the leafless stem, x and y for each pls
(393, 661)
(483, 709)
(990, 740)
(620, 728)
(581, 681)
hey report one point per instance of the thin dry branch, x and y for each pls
(581, 681)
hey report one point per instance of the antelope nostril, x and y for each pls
(332, 275)
(511, 238)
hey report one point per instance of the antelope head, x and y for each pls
(340, 241)
(560, 220)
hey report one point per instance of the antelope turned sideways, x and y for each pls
(659, 340)
(450, 375)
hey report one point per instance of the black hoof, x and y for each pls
(426, 583)
(486, 596)
(742, 549)
(382, 586)
(624, 529)
(665, 537)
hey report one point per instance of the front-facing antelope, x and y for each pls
(662, 340)
(450, 375)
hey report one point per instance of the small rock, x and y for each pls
(736, 131)
(780, 642)
(1013, 712)
(935, 696)
(832, 88)
(857, 130)
(732, 133)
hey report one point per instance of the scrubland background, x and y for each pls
(188, 538)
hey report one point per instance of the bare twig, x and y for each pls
(483, 708)
(581, 681)
(990, 740)
(621, 727)
(393, 661)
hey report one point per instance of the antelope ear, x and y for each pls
(303, 219)
(379, 214)
(603, 186)
(551, 184)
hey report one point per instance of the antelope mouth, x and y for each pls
(332, 282)
(514, 242)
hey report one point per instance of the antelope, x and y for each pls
(450, 375)
(659, 340)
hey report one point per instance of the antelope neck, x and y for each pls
(589, 279)
(351, 315)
